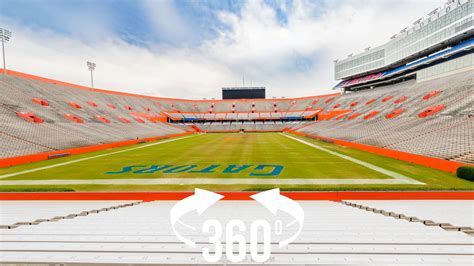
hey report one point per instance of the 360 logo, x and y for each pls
(234, 229)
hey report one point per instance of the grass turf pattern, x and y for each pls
(222, 150)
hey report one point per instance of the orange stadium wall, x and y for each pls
(306, 195)
(443, 165)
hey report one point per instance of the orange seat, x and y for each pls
(75, 105)
(431, 94)
(388, 98)
(371, 114)
(102, 119)
(401, 99)
(395, 113)
(339, 117)
(74, 118)
(431, 110)
(40, 101)
(353, 116)
(123, 119)
(370, 101)
(329, 100)
(91, 103)
(30, 117)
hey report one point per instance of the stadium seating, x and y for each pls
(38, 117)
(13, 214)
(433, 118)
(248, 126)
(241, 116)
(438, 211)
(141, 234)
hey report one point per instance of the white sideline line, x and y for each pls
(88, 158)
(401, 178)
(396, 178)
(206, 181)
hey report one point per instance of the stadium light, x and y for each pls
(5, 36)
(91, 67)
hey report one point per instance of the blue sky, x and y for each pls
(127, 19)
(191, 48)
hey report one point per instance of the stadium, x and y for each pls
(382, 166)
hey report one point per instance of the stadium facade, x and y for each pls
(435, 45)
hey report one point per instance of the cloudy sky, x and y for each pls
(192, 48)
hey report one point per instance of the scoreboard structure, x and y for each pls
(243, 93)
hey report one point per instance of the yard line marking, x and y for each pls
(208, 181)
(400, 177)
(88, 158)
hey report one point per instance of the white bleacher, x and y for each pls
(242, 116)
(458, 213)
(12, 147)
(308, 113)
(220, 115)
(265, 115)
(254, 116)
(223, 106)
(231, 116)
(141, 234)
(189, 115)
(209, 116)
(276, 115)
(12, 212)
(175, 115)
(246, 126)
(294, 114)
(448, 134)
(242, 106)
(20, 137)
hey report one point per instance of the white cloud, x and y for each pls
(254, 44)
(167, 22)
(262, 46)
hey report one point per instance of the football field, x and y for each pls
(227, 161)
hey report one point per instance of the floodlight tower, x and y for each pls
(5, 36)
(91, 67)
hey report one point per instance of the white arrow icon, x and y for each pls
(200, 201)
(274, 201)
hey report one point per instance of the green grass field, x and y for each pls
(224, 157)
